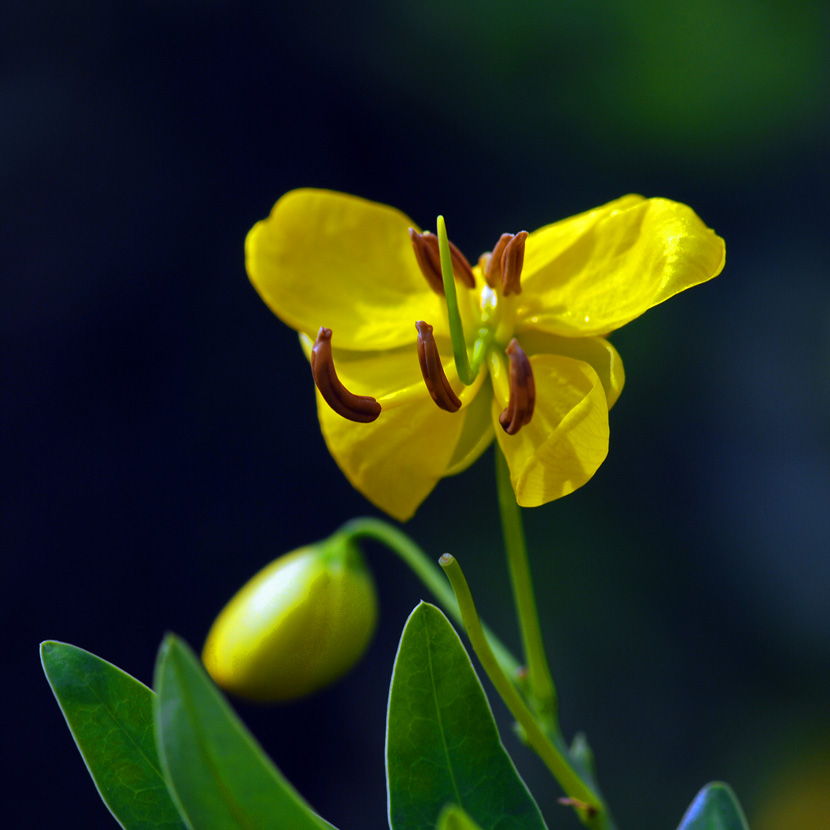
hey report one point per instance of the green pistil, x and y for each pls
(459, 345)
(481, 347)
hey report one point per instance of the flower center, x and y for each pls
(442, 263)
(502, 270)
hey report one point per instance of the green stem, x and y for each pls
(539, 681)
(459, 344)
(428, 572)
(589, 806)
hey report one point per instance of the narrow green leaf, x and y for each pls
(454, 818)
(442, 744)
(715, 808)
(110, 716)
(217, 773)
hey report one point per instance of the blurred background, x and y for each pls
(160, 442)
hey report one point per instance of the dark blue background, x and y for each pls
(160, 442)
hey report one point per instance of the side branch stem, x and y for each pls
(592, 810)
(428, 572)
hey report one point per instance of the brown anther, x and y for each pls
(519, 409)
(493, 273)
(429, 261)
(512, 260)
(361, 408)
(428, 258)
(461, 267)
(437, 384)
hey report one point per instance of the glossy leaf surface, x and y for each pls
(218, 775)
(442, 744)
(110, 715)
(715, 808)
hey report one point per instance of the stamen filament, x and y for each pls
(360, 408)
(436, 381)
(459, 344)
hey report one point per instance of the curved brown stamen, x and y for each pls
(429, 261)
(361, 408)
(428, 258)
(432, 370)
(461, 267)
(493, 275)
(512, 260)
(522, 391)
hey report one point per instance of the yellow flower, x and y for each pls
(535, 316)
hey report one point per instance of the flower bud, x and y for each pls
(298, 625)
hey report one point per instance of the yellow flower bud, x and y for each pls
(298, 625)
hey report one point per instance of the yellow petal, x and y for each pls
(597, 271)
(396, 460)
(477, 433)
(329, 259)
(567, 439)
(597, 351)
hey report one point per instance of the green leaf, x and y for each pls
(110, 716)
(715, 808)
(454, 818)
(442, 744)
(218, 775)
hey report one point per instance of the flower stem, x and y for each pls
(428, 572)
(539, 681)
(587, 802)
(459, 344)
